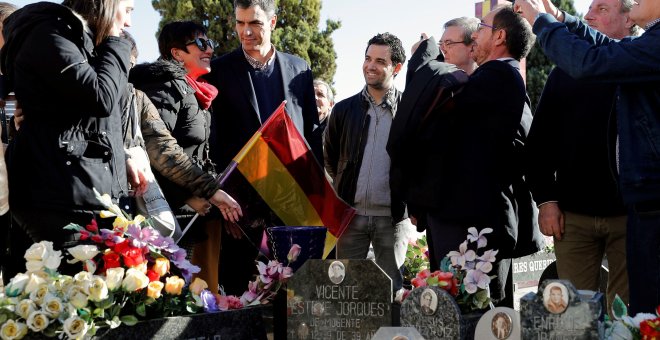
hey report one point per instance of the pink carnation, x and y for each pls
(227, 302)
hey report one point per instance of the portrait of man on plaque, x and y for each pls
(428, 302)
(555, 298)
(501, 325)
(336, 272)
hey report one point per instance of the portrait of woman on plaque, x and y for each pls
(555, 298)
(428, 302)
(501, 325)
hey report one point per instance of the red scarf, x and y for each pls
(204, 92)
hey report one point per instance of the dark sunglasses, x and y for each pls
(203, 44)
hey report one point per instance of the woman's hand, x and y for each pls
(228, 206)
(136, 177)
(200, 205)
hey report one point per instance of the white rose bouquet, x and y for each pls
(130, 273)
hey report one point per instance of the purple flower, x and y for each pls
(488, 256)
(274, 271)
(164, 243)
(251, 294)
(141, 237)
(208, 300)
(475, 279)
(187, 269)
(479, 237)
(462, 256)
(110, 235)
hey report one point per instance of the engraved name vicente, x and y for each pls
(346, 303)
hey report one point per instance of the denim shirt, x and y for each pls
(633, 64)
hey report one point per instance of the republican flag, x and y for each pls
(285, 180)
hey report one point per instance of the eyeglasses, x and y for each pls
(482, 25)
(448, 43)
(203, 44)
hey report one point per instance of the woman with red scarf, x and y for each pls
(182, 98)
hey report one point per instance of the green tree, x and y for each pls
(296, 31)
(538, 65)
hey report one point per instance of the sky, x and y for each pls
(360, 21)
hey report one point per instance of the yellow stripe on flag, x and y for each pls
(280, 191)
(330, 241)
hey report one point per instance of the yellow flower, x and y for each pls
(162, 266)
(138, 219)
(113, 278)
(106, 214)
(13, 330)
(142, 267)
(77, 297)
(34, 282)
(98, 290)
(83, 280)
(154, 288)
(75, 327)
(38, 321)
(174, 285)
(83, 252)
(25, 307)
(53, 306)
(39, 295)
(198, 285)
(134, 280)
(41, 255)
(121, 223)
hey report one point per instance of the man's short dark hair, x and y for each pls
(175, 35)
(519, 36)
(267, 6)
(388, 39)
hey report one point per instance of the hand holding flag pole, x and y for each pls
(279, 165)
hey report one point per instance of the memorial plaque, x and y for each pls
(338, 299)
(397, 333)
(527, 270)
(558, 311)
(433, 312)
(498, 324)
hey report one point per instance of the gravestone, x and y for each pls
(338, 299)
(397, 333)
(527, 270)
(236, 324)
(498, 324)
(434, 313)
(559, 311)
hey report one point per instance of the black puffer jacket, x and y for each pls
(70, 141)
(165, 154)
(165, 84)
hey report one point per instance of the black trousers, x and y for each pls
(443, 237)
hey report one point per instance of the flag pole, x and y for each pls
(234, 164)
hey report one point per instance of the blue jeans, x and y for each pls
(643, 257)
(379, 231)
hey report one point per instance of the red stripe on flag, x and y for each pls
(290, 147)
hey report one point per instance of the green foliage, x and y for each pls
(296, 31)
(619, 309)
(416, 259)
(538, 65)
